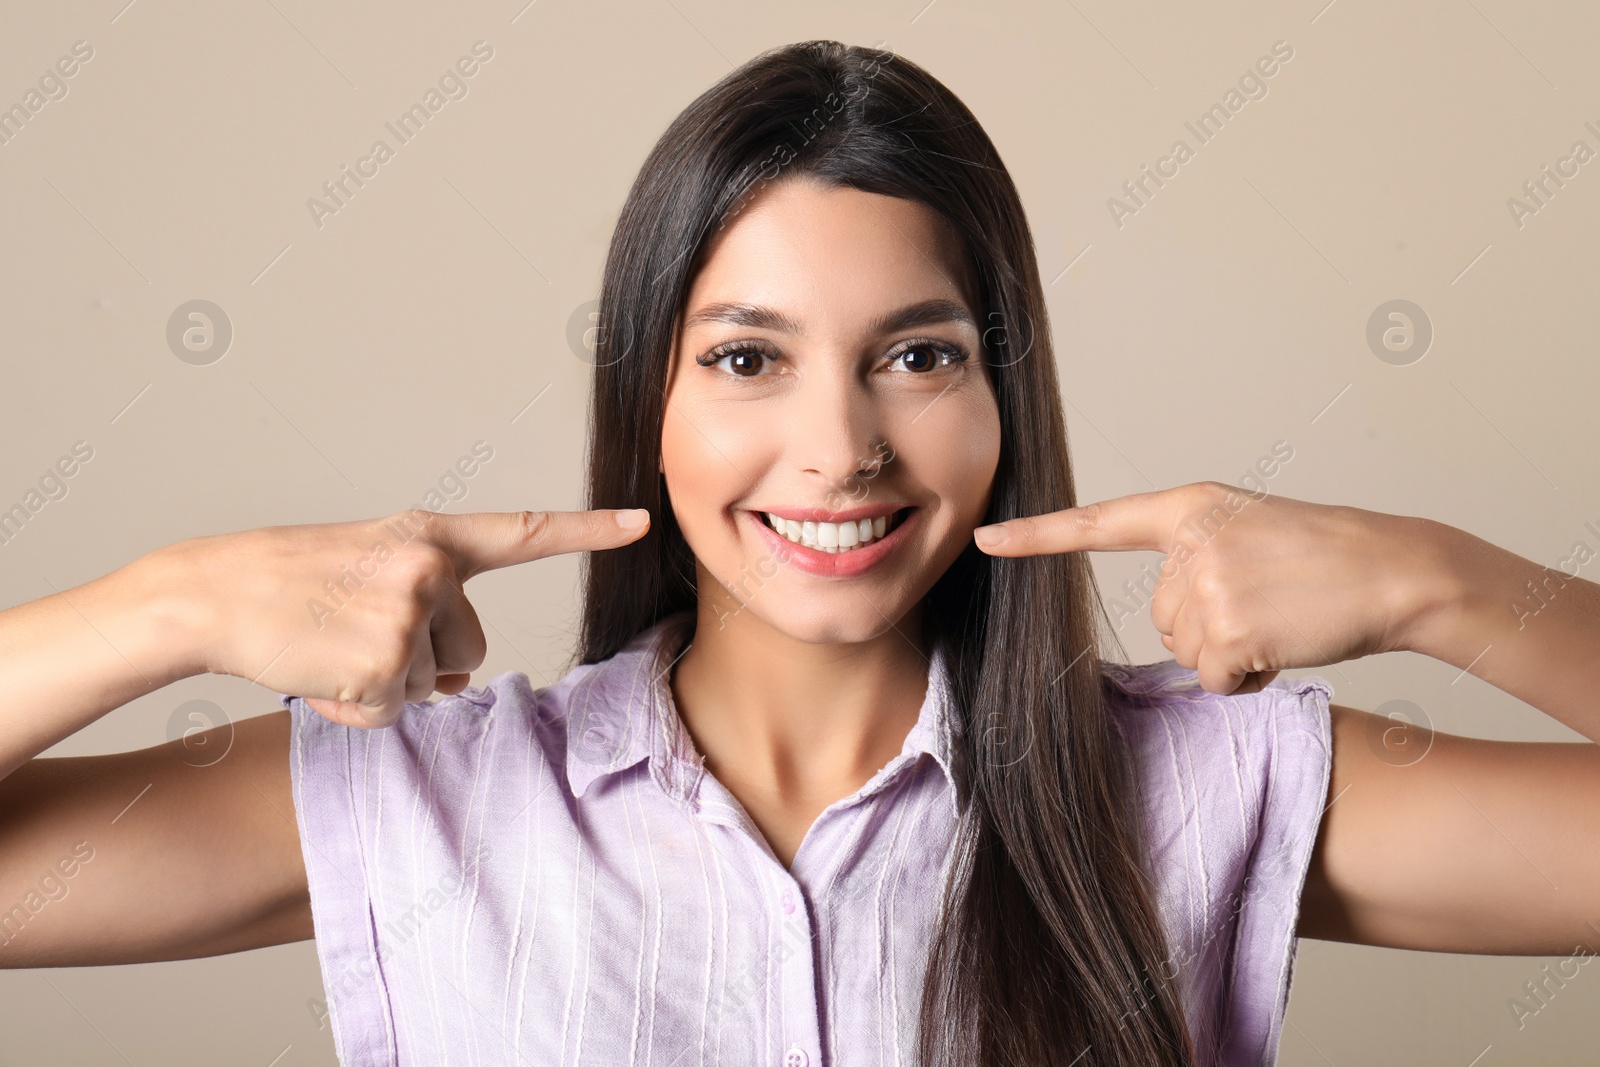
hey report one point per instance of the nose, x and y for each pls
(835, 432)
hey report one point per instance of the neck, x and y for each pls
(797, 721)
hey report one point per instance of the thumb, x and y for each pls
(486, 540)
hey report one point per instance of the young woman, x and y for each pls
(835, 781)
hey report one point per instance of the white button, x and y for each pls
(796, 1057)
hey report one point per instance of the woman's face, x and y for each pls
(828, 372)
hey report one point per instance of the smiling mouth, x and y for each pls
(835, 537)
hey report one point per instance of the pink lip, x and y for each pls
(849, 564)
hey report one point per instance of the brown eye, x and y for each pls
(924, 356)
(745, 362)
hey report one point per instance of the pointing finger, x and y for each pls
(1139, 521)
(485, 540)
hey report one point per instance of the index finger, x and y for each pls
(1124, 523)
(486, 540)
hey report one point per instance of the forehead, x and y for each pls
(814, 249)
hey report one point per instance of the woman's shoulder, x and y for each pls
(510, 696)
(1235, 772)
(597, 719)
(1161, 709)
(405, 830)
(1233, 788)
(436, 740)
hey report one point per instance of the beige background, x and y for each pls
(1228, 313)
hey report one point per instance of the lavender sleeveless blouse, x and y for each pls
(551, 876)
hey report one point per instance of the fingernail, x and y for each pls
(990, 536)
(633, 518)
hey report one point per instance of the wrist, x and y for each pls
(1441, 595)
(169, 620)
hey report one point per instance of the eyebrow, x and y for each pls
(756, 316)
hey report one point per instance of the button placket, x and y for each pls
(799, 1017)
(796, 953)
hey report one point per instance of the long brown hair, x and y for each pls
(1048, 948)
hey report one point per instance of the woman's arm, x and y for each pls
(1529, 630)
(143, 856)
(1428, 840)
(70, 658)
(136, 856)
(1458, 844)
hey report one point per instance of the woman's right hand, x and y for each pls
(361, 617)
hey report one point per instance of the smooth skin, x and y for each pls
(1480, 846)
(797, 689)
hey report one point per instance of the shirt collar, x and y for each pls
(622, 712)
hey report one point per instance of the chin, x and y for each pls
(845, 624)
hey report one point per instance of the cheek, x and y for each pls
(954, 448)
(703, 458)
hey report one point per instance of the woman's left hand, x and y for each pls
(1253, 585)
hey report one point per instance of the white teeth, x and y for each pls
(830, 536)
